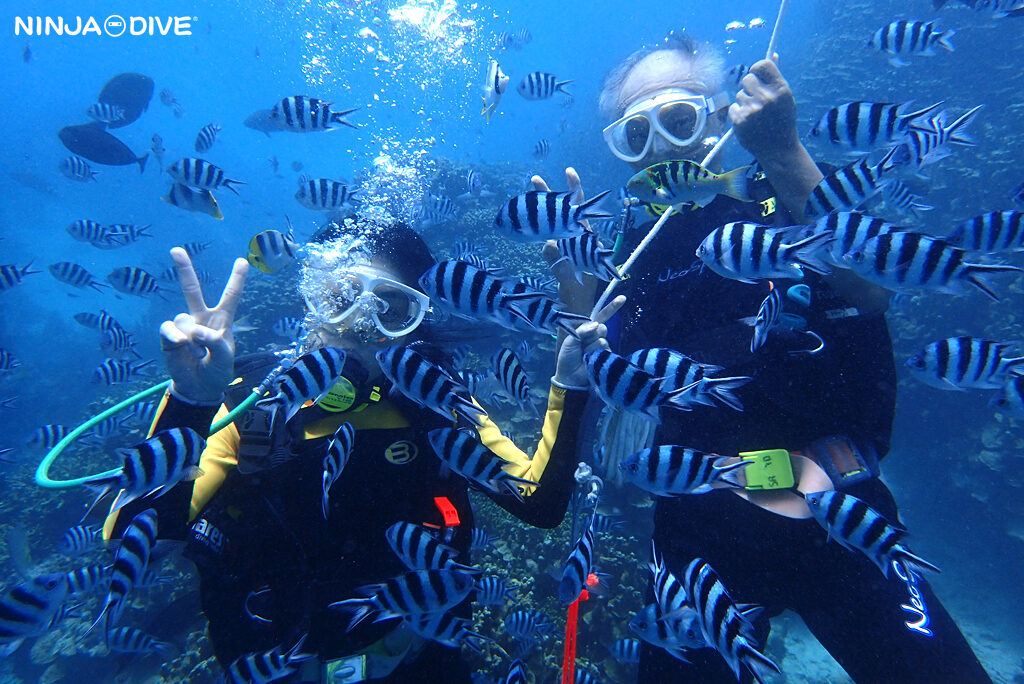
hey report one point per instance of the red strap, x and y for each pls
(572, 618)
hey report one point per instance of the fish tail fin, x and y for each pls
(912, 561)
(756, 662)
(682, 398)
(587, 209)
(912, 117)
(976, 271)
(362, 608)
(228, 184)
(141, 161)
(737, 184)
(721, 389)
(958, 136)
(104, 486)
(802, 252)
(339, 118)
(730, 473)
(944, 39)
(560, 86)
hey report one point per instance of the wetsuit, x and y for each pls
(260, 540)
(849, 389)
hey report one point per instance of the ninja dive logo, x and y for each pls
(114, 26)
(917, 608)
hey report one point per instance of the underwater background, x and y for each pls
(414, 73)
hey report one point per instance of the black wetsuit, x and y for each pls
(266, 530)
(848, 389)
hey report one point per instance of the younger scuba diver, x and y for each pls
(271, 555)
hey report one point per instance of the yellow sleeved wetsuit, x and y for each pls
(264, 533)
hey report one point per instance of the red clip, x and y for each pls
(448, 512)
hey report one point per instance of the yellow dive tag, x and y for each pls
(770, 469)
(340, 398)
(350, 669)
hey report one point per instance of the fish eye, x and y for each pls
(916, 362)
(857, 257)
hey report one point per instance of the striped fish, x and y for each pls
(858, 527)
(466, 291)
(849, 187)
(535, 313)
(114, 372)
(748, 252)
(79, 539)
(446, 629)
(266, 667)
(186, 198)
(679, 183)
(847, 231)
(75, 275)
(1010, 399)
(323, 194)
(996, 231)
(48, 436)
(272, 250)
(206, 137)
(418, 549)
(436, 209)
(524, 350)
(671, 608)
(29, 609)
(83, 581)
(287, 326)
(493, 591)
(118, 341)
(512, 376)
(900, 197)
(626, 651)
(338, 452)
(912, 261)
(905, 37)
(102, 321)
(11, 275)
(959, 363)
(928, 143)
(135, 641)
(427, 384)
(152, 467)
(538, 85)
(413, 593)
(130, 563)
(309, 378)
(669, 470)
(586, 255)
(527, 624)
(577, 568)
(105, 112)
(461, 451)
(134, 281)
(302, 114)
(679, 370)
(194, 248)
(95, 233)
(106, 428)
(865, 126)
(767, 318)
(201, 174)
(480, 540)
(538, 216)
(722, 624)
(623, 384)
(649, 626)
(76, 168)
(542, 149)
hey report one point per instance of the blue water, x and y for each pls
(418, 91)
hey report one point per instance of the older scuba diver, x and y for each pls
(272, 551)
(830, 409)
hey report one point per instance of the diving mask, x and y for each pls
(680, 116)
(362, 298)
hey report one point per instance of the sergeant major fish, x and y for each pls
(266, 667)
(206, 137)
(958, 363)
(114, 372)
(105, 113)
(993, 232)
(417, 548)
(865, 126)
(849, 187)
(201, 174)
(413, 593)
(465, 455)
(134, 281)
(670, 470)
(539, 85)
(905, 37)
(309, 378)
(28, 609)
(323, 194)
(586, 255)
(625, 385)
(538, 216)
(577, 568)
(130, 563)
(748, 252)
(75, 275)
(76, 168)
(427, 384)
(338, 451)
(858, 527)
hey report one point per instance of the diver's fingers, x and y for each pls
(220, 348)
(609, 309)
(767, 71)
(560, 267)
(575, 185)
(171, 336)
(233, 290)
(539, 184)
(190, 287)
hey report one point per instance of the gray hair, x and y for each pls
(708, 69)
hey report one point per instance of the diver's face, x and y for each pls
(654, 73)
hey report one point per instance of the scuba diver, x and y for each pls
(272, 551)
(825, 406)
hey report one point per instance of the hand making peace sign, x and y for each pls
(198, 346)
